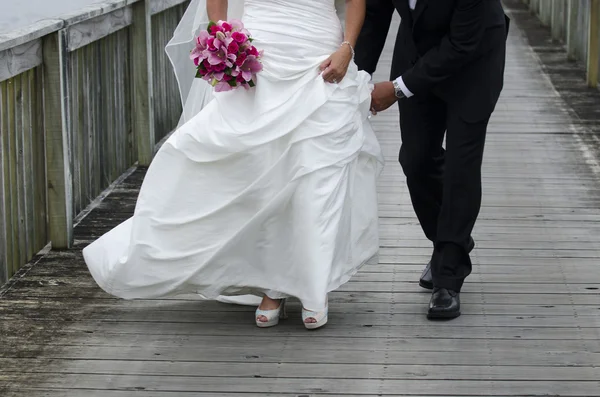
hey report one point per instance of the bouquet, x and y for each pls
(225, 57)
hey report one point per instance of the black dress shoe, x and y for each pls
(426, 280)
(444, 304)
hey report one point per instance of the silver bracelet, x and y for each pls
(349, 45)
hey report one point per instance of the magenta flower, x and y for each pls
(227, 27)
(239, 37)
(215, 28)
(233, 48)
(241, 59)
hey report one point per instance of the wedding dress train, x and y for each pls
(270, 190)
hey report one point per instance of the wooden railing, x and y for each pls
(577, 23)
(82, 99)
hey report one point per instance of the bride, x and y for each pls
(268, 192)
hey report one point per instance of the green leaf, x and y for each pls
(251, 83)
(210, 25)
(231, 83)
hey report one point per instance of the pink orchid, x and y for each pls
(223, 86)
(250, 67)
(236, 25)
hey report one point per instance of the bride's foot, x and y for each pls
(269, 312)
(314, 320)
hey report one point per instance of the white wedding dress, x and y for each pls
(270, 190)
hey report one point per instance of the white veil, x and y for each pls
(196, 93)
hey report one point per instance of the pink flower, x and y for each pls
(215, 28)
(220, 35)
(223, 86)
(210, 43)
(236, 25)
(233, 48)
(250, 67)
(227, 27)
(253, 51)
(239, 37)
(241, 59)
(201, 41)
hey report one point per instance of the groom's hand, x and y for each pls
(383, 96)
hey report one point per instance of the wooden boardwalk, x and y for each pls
(531, 322)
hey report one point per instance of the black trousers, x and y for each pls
(444, 184)
(373, 34)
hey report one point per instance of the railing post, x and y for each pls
(143, 96)
(4, 273)
(58, 151)
(594, 44)
(571, 30)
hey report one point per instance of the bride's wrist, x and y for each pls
(346, 51)
(346, 44)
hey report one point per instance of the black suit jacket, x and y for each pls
(454, 49)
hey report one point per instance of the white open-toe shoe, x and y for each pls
(272, 316)
(320, 317)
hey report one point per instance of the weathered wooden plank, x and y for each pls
(304, 370)
(3, 190)
(60, 186)
(94, 29)
(32, 392)
(20, 59)
(317, 343)
(167, 103)
(29, 33)
(39, 161)
(371, 303)
(20, 171)
(370, 331)
(158, 6)
(593, 58)
(13, 155)
(28, 92)
(259, 354)
(143, 101)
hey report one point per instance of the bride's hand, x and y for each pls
(335, 67)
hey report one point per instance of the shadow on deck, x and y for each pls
(531, 323)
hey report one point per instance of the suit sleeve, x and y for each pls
(455, 50)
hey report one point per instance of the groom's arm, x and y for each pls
(456, 49)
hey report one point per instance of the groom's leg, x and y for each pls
(373, 34)
(423, 123)
(461, 201)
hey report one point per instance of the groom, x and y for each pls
(447, 75)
